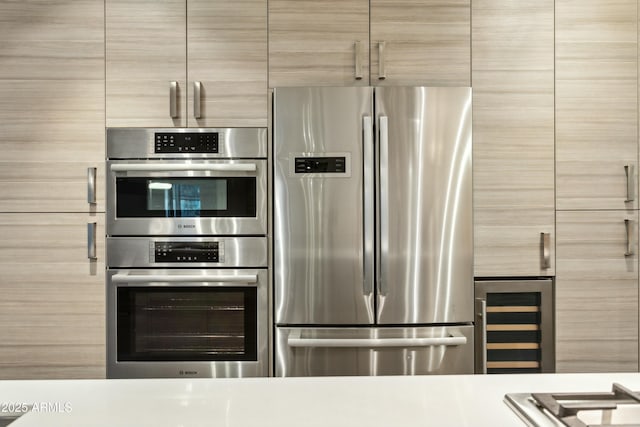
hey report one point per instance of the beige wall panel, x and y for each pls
(512, 35)
(427, 42)
(596, 102)
(53, 317)
(52, 131)
(144, 53)
(227, 51)
(311, 42)
(513, 171)
(596, 292)
(58, 39)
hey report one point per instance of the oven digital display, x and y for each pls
(186, 142)
(189, 252)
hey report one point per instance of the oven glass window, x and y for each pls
(186, 197)
(187, 324)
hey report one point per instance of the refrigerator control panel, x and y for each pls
(325, 165)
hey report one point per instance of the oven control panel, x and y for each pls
(181, 252)
(187, 142)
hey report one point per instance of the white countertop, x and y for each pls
(442, 401)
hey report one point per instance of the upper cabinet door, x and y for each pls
(146, 63)
(318, 43)
(51, 104)
(227, 68)
(420, 42)
(596, 104)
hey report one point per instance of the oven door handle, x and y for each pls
(229, 278)
(218, 167)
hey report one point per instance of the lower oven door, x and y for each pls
(418, 350)
(187, 323)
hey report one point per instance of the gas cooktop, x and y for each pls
(619, 407)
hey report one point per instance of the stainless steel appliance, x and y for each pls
(373, 231)
(187, 253)
(187, 307)
(620, 407)
(187, 181)
(514, 326)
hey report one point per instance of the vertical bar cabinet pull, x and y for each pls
(629, 172)
(382, 73)
(173, 99)
(358, 60)
(197, 94)
(545, 250)
(629, 229)
(91, 185)
(91, 240)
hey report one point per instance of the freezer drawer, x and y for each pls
(374, 351)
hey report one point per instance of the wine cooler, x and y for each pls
(514, 326)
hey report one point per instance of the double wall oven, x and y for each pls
(187, 253)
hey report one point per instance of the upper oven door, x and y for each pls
(186, 197)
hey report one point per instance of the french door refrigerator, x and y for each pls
(373, 239)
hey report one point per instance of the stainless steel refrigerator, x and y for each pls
(373, 239)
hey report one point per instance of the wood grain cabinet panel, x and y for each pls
(57, 39)
(312, 42)
(513, 132)
(596, 103)
(145, 52)
(596, 291)
(53, 301)
(227, 53)
(426, 42)
(52, 131)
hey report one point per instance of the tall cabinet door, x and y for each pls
(51, 104)
(596, 104)
(318, 43)
(146, 63)
(420, 43)
(425, 263)
(53, 300)
(597, 291)
(513, 132)
(227, 68)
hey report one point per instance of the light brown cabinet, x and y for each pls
(597, 291)
(333, 43)
(596, 185)
(191, 63)
(51, 104)
(513, 137)
(52, 309)
(596, 104)
(52, 119)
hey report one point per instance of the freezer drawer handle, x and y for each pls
(234, 278)
(454, 339)
(220, 167)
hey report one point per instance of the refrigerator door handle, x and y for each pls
(369, 228)
(453, 339)
(383, 212)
